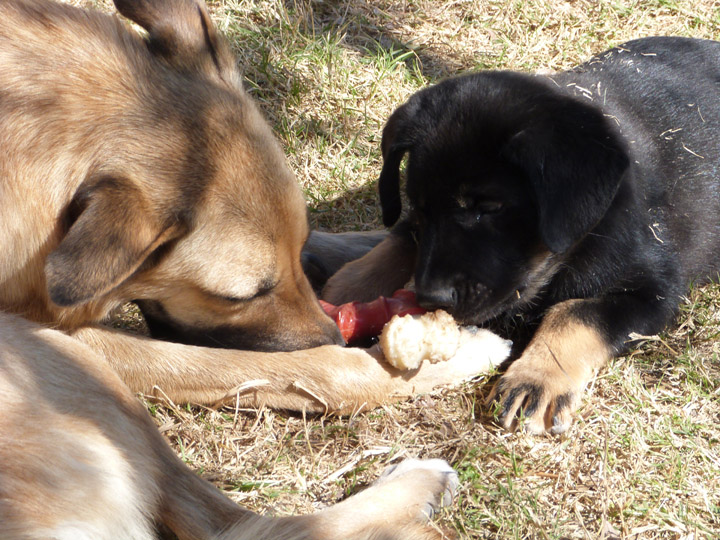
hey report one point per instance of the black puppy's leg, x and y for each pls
(325, 253)
(388, 267)
(575, 339)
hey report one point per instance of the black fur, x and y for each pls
(600, 183)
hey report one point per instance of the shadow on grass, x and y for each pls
(358, 207)
(367, 30)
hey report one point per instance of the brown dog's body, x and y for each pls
(82, 460)
(137, 169)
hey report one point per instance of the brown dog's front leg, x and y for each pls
(324, 379)
(385, 269)
(80, 446)
(397, 506)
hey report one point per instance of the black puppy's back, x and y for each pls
(663, 93)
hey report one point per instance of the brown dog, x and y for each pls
(135, 168)
(139, 170)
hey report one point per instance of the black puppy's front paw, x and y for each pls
(537, 394)
(541, 389)
(532, 406)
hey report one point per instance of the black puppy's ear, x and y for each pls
(181, 32)
(575, 163)
(395, 143)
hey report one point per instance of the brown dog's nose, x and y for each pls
(317, 329)
(331, 335)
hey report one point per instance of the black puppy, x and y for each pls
(578, 206)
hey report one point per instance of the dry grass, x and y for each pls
(642, 460)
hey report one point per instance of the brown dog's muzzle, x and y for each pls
(311, 333)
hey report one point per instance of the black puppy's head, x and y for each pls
(505, 175)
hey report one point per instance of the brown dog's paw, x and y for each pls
(537, 396)
(398, 506)
(428, 485)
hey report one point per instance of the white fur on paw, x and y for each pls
(479, 351)
(437, 466)
(483, 347)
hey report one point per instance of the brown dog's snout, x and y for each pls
(328, 334)
(299, 329)
(302, 331)
(310, 326)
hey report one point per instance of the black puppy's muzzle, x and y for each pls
(442, 297)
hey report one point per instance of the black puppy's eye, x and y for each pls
(485, 208)
(489, 207)
(477, 212)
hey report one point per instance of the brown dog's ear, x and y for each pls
(395, 142)
(113, 234)
(575, 163)
(181, 31)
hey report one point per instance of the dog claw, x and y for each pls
(558, 427)
(531, 409)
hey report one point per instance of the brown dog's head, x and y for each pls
(505, 175)
(192, 211)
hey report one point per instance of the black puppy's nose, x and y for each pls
(437, 298)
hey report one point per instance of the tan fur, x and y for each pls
(367, 277)
(344, 384)
(81, 460)
(325, 253)
(137, 169)
(561, 359)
